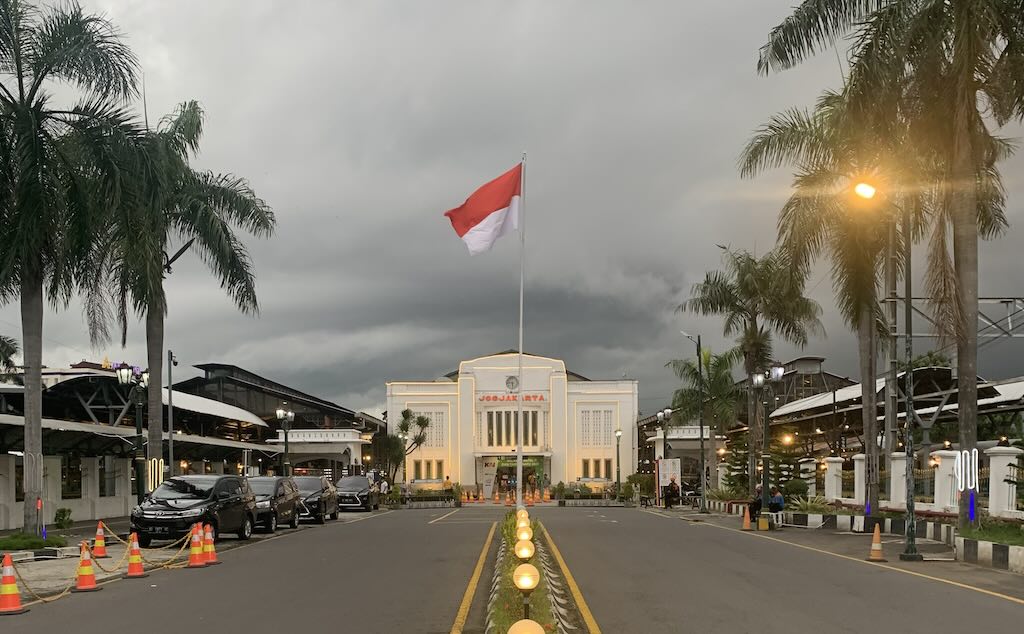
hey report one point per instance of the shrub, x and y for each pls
(560, 491)
(627, 491)
(816, 504)
(642, 481)
(585, 490)
(727, 494)
(62, 518)
(24, 541)
(795, 487)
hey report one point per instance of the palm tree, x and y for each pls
(959, 62)
(173, 203)
(757, 297)
(8, 350)
(711, 387)
(412, 433)
(57, 171)
(831, 150)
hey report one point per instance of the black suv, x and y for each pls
(224, 502)
(357, 492)
(277, 501)
(319, 498)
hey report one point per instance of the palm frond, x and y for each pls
(812, 25)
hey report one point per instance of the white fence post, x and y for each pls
(945, 488)
(1002, 496)
(898, 479)
(833, 478)
(859, 479)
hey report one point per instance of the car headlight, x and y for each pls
(263, 504)
(137, 511)
(191, 512)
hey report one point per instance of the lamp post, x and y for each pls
(867, 192)
(171, 362)
(700, 419)
(128, 376)
(285, 419)
(664, 416)
(773, 375)
(526, 577)
(618, 465)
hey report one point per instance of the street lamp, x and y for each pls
(700, 419)
(526, 577)
(128, 376)
(618, 465)
(526, 626)
(773, 375)
(524, 550)
(285, 419)
(867, 191)
(524, 532)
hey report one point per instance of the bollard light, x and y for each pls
(526, 626)
(521, 513)
(526, 577)
(524, 549)
(522, 521)
(524, 532)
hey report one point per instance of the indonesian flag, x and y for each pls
(490, 212)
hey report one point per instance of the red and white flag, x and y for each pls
(490, 212)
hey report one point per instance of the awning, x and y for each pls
(67, 425)
(222, 442)
(200, 405)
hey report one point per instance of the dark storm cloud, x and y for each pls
(362, 122)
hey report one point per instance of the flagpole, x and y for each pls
(522, 279)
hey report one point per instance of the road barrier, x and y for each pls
(135, 567)
(209, 552)
(10, 598)
(196, 559)
(86, 580)
(875, 554)
(99, 548)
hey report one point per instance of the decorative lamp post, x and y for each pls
(700, 420)
(526, 577)
(285, 418)
(128, 376)
(524, 550)
(772, 375)
(524, 532)
(521, 513)
(618, 465)
(526, 626)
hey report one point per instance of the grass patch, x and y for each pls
(1001, 532)
(508, 603)
(24, 541)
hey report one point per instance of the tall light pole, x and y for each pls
(129, 376)
(171, 362)
(285, 419)
(867, 192)
(700, 420)
(773, 375)
(618, 464)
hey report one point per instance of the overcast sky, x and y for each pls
(362, 122)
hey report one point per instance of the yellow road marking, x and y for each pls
(588, 617)
(957, 584)
(467, 597)
(444, 516)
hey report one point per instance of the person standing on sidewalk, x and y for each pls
(671, 492)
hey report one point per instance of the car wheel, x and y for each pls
(272, 523)
(144, 541)
(245, 530)
(295, 518)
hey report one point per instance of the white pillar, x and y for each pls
(945, 488)
(91, 485)
(833, 478)
(807, 472)
(859, 481)
(723, 474)
(51, 487)
(7, 474)
(1002, 496)
(123, 487)
(898, 479)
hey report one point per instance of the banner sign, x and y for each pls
(490, 469)
(667, 469)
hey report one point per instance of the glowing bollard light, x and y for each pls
(526, 626)
(521, 522)
(524, 550)
(524, 532)
(526, 577)
(521, 513)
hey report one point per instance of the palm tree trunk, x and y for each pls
(965, 260)
(32, 345)
(868, 398)
(155, 356)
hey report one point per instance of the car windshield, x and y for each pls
(308, 485)
(262, 486)
(181, 488)
(353, 483)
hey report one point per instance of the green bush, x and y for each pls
(585, 490)
(642, 481)
(627, 491)
(728, 494)
(816, 504)
(62, 518)
(795, 487)
(560, 491)
(24, 541)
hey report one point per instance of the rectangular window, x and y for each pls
(440, 469)
(586, 469)
(417, 470)
(585, 428)
(19, 479)
(499, 427)
(533, 428)
(597, 468)
(107, 476)
(430, 470)
(608, 468)
(490, 429)
(508, 429)
(479, 429)
(70, 478)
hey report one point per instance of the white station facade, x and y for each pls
(569, 424)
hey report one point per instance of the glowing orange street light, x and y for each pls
(866, 191)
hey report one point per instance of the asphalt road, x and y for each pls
(640, 572)
(388, 572)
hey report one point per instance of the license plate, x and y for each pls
(159, 529)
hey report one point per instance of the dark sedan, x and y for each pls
(319, 498)
(277, 502)
(355, 492)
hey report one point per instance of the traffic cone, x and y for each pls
(99, 545)
(496, 497)
(86, 576)
(10, 598)
(529, 499)
(746, 519)
(209, 552)
(508, 499)
(195, 553)
(875, 554)
(135, 569)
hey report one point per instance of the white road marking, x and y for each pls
(444, 516)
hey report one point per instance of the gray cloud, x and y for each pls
(362, 122)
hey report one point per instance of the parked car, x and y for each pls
(225, 502)
(319, 498)
(357, 492)
(277, 502)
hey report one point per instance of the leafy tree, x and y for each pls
(60, 171)
(173, 204)
(412, 433)
(959, 64)
(930, 359)
(8, 350)
(739, 460)
(757, 297)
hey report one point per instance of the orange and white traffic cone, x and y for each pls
(99, 545)
(875, 554)
(529, 499)
(209, 552)
(86, 576)
(496, 501)
(10, 598)
(508, 499)
(135, 568)
(196, 559)
(746, 519)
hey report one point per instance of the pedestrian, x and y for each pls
(776, 503)
(385, 488)
(671, 492)
(755, 504)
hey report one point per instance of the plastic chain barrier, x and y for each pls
(44, 598)
(170, 562)
(185, 539)
(96, 562)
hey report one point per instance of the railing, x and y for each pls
(849, 483)
(924, 485)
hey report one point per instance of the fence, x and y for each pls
(848, 484)
(924, 490)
